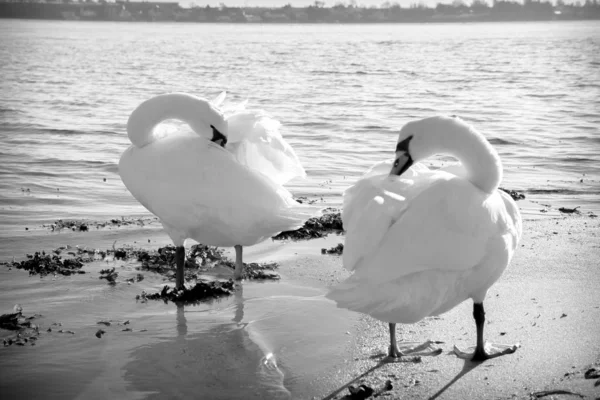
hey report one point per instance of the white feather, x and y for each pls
(202, 191)
(444, 240)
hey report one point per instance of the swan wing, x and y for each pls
(199, 190)
(365, 234)
(446, 227)
(371, 206)
(256, 142)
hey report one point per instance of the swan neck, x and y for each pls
(478, 156)
(180, 106)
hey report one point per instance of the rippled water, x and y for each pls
(341, 91)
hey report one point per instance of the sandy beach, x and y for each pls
(548, 301)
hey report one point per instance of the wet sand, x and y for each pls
(548, 301)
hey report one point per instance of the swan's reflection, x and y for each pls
(181, 321)
(239, 303)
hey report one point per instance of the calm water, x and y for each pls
(342, 92)
(274, 340)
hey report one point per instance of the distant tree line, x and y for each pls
(350, 12)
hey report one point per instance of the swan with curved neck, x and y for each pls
(420, 242)
(198, 113)
(201, 188)
(421, 139)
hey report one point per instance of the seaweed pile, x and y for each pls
(516, 196)
(316, 227)
(110, 275)
(201, 291)
(339, 249)
(260, 271)
(26, 331)
(44, 264)
(566, 210)
(84, 226)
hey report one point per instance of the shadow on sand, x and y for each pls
(467, 367)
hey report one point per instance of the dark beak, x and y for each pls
(402, 163)
(218, 137)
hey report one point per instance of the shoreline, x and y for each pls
(553, 274)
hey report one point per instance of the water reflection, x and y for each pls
(266, 341)
(272, 340)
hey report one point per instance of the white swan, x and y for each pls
(420, 241)
(218, 183)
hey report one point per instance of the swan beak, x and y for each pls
(218, 137)
(402, 163)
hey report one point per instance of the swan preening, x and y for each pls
(220, 182)
(421, 241)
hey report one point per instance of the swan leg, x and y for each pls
(180, 259)
(239, 265)
(483, 351)
(408, 349)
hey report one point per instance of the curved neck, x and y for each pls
(180, 106)
(478, 156)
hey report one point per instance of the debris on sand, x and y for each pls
(110, 275)
(202, 291)
(26, 331)
(315, 227)
(339, 249)
(199, 258)
(44, 264)
(516, 196)
(72, 224)
(544, 393)
(592, 373)
(137, 278)
(99, 333)
(305, 200)
(364, 391)
(566, 210)
(260, 271)
(83, 226)
(164, 257)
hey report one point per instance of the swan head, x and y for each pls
(423, 138)
(210, 115)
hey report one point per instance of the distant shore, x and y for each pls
(478, 11)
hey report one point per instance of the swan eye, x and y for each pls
(396, 163)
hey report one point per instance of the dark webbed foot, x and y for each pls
(483, 351)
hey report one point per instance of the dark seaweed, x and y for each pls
(202, 291)
(314, 228)
(516, 196)
(339, 249)
(44, 264)
(26, 331)
(566, 210)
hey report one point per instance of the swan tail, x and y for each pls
(256, 141)
(407, 300)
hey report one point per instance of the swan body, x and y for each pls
(423, 241)
(224, 191)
